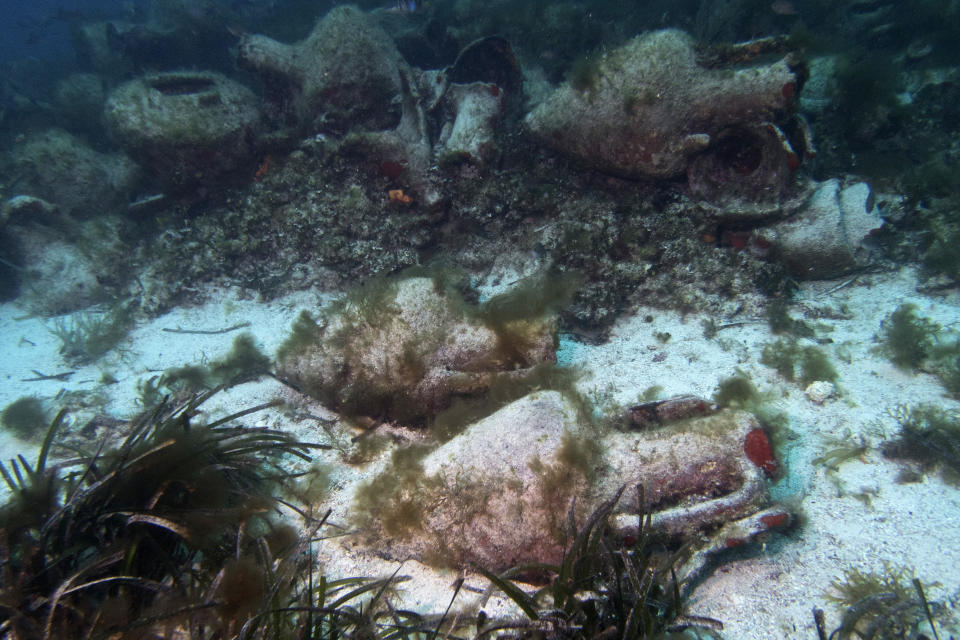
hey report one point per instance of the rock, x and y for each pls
(162, 35)
(402, 349)
(346, 73)
(60, 168)
(819, 89)
(829, 236)
(647, 109)
(27, 208)
(78, 103)
(187, 127)
(58, 277)
(95, 46)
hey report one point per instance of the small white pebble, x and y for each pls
(819, 391)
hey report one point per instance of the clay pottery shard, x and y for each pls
(657, 412)
(186, 126)
(347, 73)
(695, 472)
(646, 108)
(476, 110)
(490, 60)
(747, 169)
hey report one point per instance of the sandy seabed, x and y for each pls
(858, 517)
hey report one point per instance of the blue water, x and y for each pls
(40, 29)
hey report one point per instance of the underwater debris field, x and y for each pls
(569, 319)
